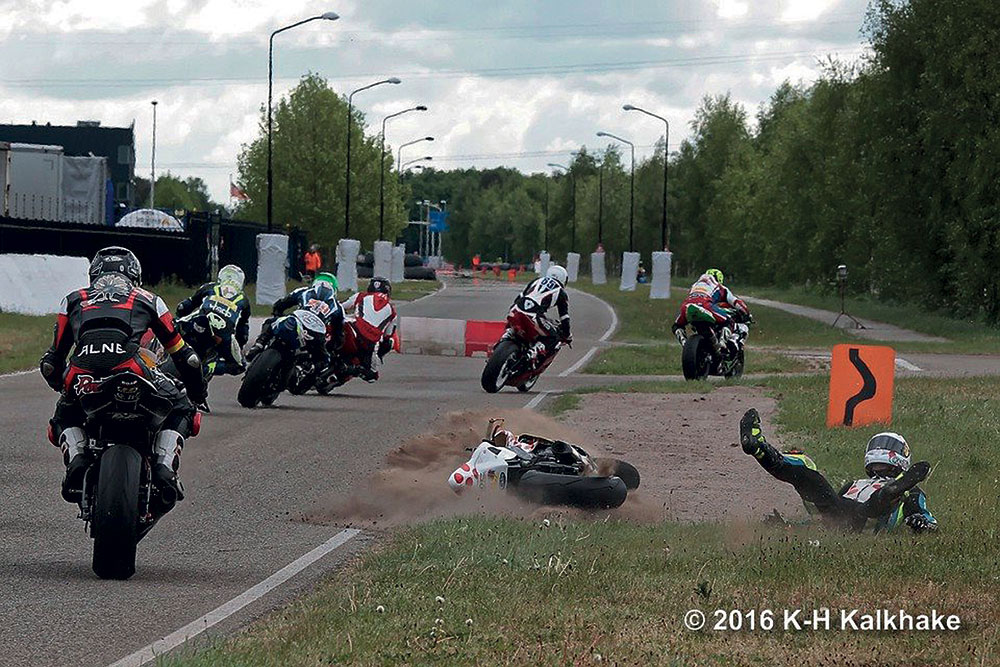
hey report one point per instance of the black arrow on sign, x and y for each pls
(867, 389)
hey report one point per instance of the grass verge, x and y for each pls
(502, 591)
(665, 359)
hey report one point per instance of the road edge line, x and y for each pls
(222, 612)
(533, 403)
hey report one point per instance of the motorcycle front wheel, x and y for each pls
(115, 525)
(258, 378)
(499, 367)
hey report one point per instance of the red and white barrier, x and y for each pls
(450, 337)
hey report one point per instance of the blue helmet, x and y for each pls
(323, 291)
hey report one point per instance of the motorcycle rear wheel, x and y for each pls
(115, 524)
(526, 386)
(696, 358)
(583, 492)
(498, 366)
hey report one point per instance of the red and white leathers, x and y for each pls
(373, 328)
(710, 299)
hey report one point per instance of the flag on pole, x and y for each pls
(236, 193)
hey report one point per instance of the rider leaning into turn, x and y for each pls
(102, 325)
(227, 293)
(321, 298)
(535, 300)
(889, 494)
(709, 301)
(378, 295)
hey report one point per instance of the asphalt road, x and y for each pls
(248, 475)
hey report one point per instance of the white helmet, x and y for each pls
(889, 448)
(558, 273)
(231, 279)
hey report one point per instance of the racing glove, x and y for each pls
(52, 367)
(920, 523)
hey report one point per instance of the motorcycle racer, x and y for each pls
(709, 300)
(374, 300)
(535, 300)
(227, 300)
(321, 298)
(889, 494)
(102, 325)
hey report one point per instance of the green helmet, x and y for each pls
(715, 273)
(329, 278)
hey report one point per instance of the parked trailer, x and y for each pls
(40, 183)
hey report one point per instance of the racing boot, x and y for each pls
(535, 353)
(72, 442)
(753, 442)
(167, 449)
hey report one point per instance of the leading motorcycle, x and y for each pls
(701, 356)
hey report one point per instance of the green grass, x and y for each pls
(665, 359)
(573, 590)
(967, 335)
(23, 339)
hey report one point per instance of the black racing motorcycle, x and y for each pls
(714, 349)
(120, 503)
(272, 368)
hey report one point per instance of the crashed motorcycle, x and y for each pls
(545, 471)
(709, 348)
(120, 503)
(269, 372)
(510, 364)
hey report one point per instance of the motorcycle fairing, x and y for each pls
(487, 467)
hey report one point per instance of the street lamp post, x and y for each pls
(426, 158)
(347, 177)
(399, 153)
(152, 163)
(546, 213)
(327, 16)
(572, 180)
(381, 178)
(631, 199)
(664, 229)
(600, 204)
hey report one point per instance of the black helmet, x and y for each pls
(116, 259)
(380, 284)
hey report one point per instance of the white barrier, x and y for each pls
(630, 268)
(36, 284)
(573, 265)
(432, 335)
(272, 257)
(347, 264)
(598, 270)
(398, 263)
(544, 260)
(660, 288)
(383, 259)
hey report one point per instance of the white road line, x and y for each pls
(17, 373)
(533, 403)
(906, 365)
(196, 627)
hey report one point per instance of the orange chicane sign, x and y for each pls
(861, 378)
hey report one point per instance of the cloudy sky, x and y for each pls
(514, 82)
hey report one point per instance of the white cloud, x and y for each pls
(732, 9)
(804, 10)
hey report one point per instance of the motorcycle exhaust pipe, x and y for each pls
(168, 498)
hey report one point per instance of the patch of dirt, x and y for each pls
(413, 483)
(686, 448)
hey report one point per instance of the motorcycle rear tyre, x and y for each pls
(115, 524)
(583, 492)
(696, 358)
